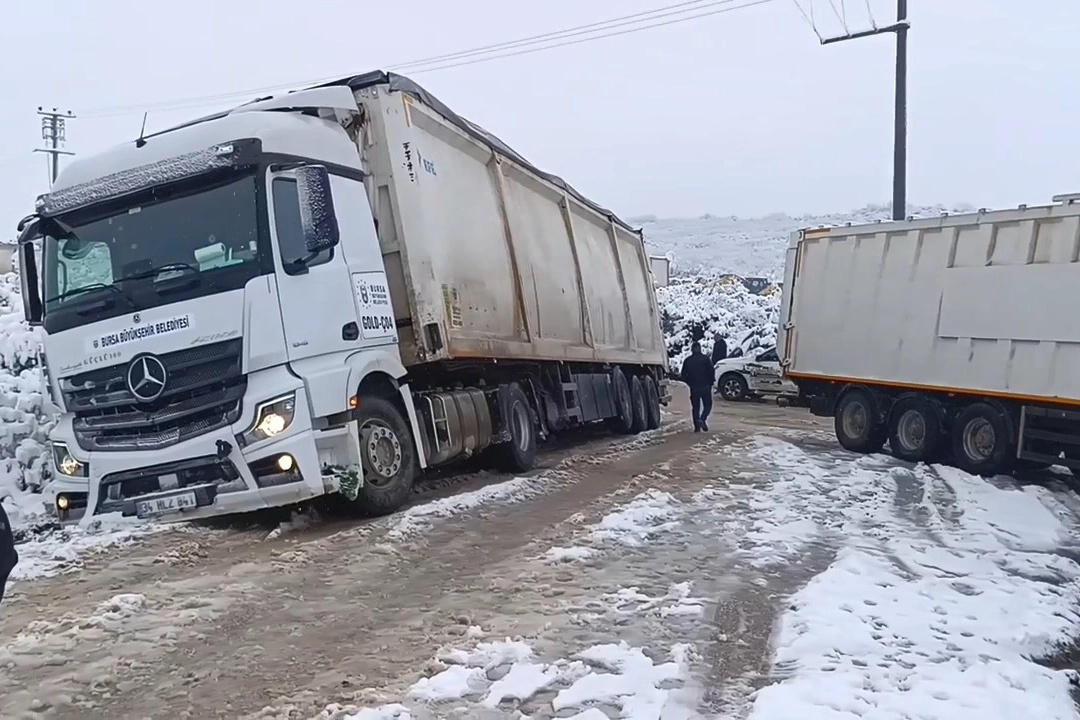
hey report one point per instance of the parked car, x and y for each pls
(752, 376)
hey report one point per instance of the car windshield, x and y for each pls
(171, 234)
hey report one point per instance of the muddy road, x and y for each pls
(199, 622)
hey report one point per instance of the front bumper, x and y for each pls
(206, 476)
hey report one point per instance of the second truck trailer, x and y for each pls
(953, 338)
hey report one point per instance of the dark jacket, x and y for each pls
(698, 371)
(8, 556)
(719, 351)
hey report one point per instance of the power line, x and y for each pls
(597, 37)
(676, 9)
(193, 101)
(595, 31)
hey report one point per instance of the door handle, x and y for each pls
(350, 331)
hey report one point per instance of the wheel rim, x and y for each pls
(521, 426)
(911, 430)
(855, 420)
(979, 439)
(382, 450)
(732, 388)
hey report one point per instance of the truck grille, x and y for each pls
(204, 391)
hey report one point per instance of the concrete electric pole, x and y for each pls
(900, 27)
(54, 133)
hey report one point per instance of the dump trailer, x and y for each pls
(951, 338)
(325, 293)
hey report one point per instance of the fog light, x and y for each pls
(285, 463)
(62, 502)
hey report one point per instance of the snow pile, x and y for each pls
(943, 591)
(695, 308)
(25, 419)
(506, 673)
(53, 550)
(749, 247)
(634, 524)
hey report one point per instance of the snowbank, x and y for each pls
(695, 308)
(24, 416)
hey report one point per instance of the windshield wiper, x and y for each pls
(155, 271)
(91, 288)
(165, 286)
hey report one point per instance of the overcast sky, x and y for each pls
(738, 113)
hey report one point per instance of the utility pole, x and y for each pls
(54, 133)
(899, 198)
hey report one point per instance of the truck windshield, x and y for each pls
(202, 233)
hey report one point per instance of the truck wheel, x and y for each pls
(733, 387)
(519, 454)
(623, 422)
(639, 405)
(388, 457)
(915, 432)
(980, 440)
(652, 398)
(856, 423)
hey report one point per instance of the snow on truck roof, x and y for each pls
(400, 83)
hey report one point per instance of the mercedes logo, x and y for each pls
(146, 377)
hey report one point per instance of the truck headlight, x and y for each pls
(272, 418)
(66, 464)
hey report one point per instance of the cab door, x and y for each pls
(317, 309)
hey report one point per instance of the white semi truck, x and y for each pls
(325, 293)
(952, 338)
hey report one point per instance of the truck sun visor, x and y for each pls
(223, 155)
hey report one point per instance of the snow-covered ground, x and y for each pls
(758, 573)
(938, 593)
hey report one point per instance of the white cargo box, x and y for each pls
(489, 257)
(982, 303)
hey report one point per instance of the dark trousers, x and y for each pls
(8, 556)
(701, 404)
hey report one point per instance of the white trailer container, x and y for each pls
(326, 292)
(661, 270)
(952, 338)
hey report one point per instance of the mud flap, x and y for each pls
(339, 455)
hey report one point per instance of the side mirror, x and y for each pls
(317, 209)
(28, 274)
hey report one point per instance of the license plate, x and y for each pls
(165, 505)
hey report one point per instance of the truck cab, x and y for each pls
(206, 294)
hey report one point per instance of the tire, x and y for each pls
(519, 454)
(733, 387)
(915, 430)
(639, 406)
(623, 422)
(652, 403)
(856, 423)
(981, 440)
(387, 455)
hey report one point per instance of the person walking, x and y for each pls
(699, 374)
(719, 348)
(9, 557)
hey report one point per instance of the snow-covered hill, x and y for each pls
(748, 247)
